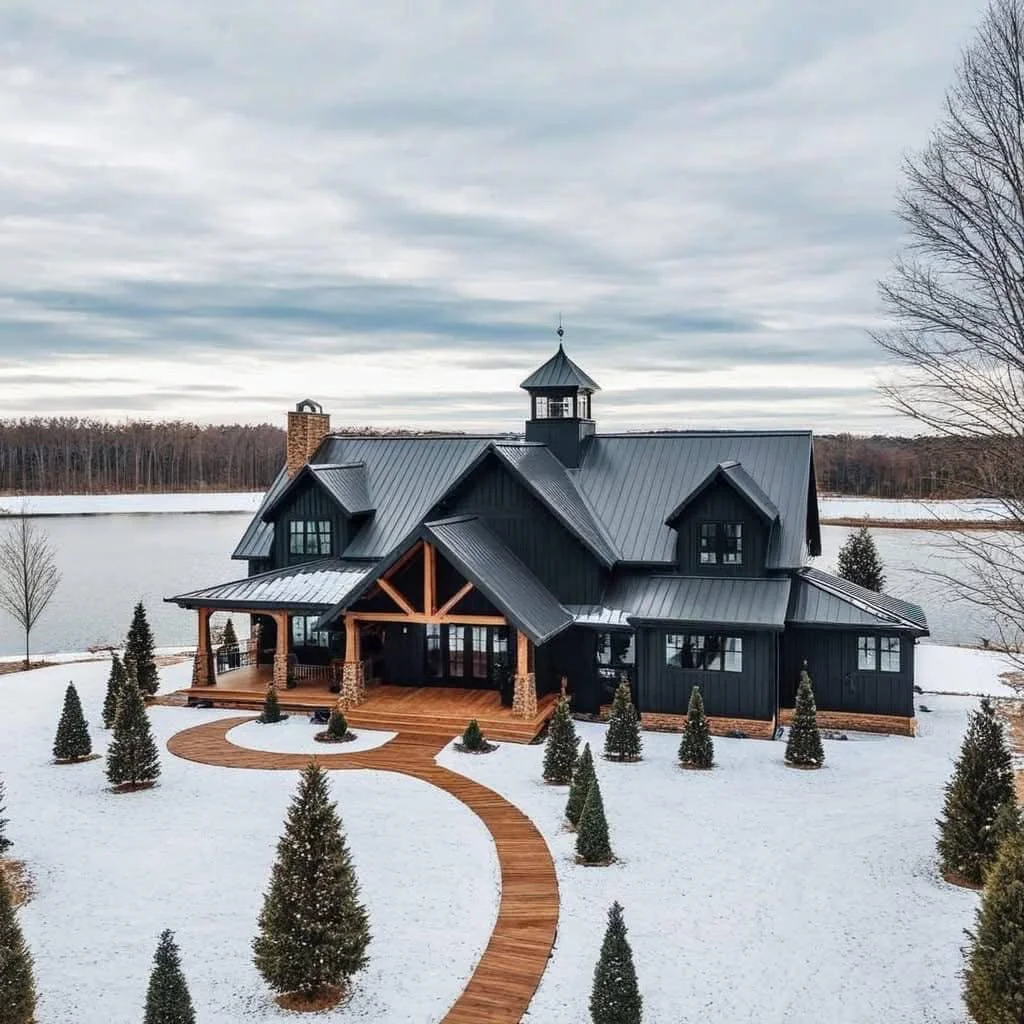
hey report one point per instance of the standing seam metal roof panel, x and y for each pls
(821, 599)
(258, 539)
(347, 485)
(560, 372)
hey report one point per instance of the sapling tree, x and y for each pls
(28, 574)
(593, 845)
(615, 997)
(859, 561)
(132, 758)
(582, 778)
(313, 930)
(803, 747)
(560, 750)
(696, 749)
(115, 684)
(72, 742)
(167, 997)
(139, 647)
(622, 740)
(17, 987)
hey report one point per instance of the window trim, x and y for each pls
(310, 537)
(304, 636)
(873, 646)
(717, 656)
(716, 545)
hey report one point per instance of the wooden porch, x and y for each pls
(436, 711)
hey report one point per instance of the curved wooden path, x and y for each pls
(513, 963)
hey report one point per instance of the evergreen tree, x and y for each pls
(167, 998)
(696, 749)
(271, 708)
(994, 975)
(615, 997)
(582, 779)
(473, 738)
(622, 740)
(313, 931)
(560, 750)
(592, 843)
(132, 759)
(5, 843)
(17, 988)
(72, 742)
(229, 638)
(337, 724)
(980, 787)
(115, 683)
(859, 562)
(139, 647)
(803, 748)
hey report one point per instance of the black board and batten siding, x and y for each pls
(308, 503)
(721, 504)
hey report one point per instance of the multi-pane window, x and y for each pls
(866, 653)
(559, 408)
(479, 642)
(540, 408)
(309, 537)
(878, 653)
(583, 406)
(457, 651)
(708, 653)
(435, 664)
(304, 633)
(615, 648)
(721, 543)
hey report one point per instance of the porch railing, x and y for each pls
(241, 655)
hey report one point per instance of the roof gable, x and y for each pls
(733, 474)
(560, 372)
(344, 484)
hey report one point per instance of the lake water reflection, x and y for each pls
(111, 561)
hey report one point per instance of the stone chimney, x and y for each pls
(308, 425)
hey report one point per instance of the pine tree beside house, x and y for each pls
(271, 707)
(979, 789)
(804, 748)
(132, 758)
(994, 974)
(313, 931)
(72, 742)
(615, 997)
(622, 740)
(560, 751)
(5, 842)
(139, 647)
(167, 997)
(115, 684)
(859, 561)
(17, 987)
(582, 779)
(696, 749)
(593, 845)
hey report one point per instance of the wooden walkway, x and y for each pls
(513, 963)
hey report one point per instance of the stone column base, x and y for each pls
(202, 669)
(353, 687)
(524, 696)
(280, 670)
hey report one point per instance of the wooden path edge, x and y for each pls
(507, 975)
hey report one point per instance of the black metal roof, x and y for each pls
(559, 372)
(258, 539)
(343, 483)
(741, 481)
(821, 599)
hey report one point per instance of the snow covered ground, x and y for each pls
(194, 855)
(896, 510)
(134, 504)
(295, 736)
(941, 669)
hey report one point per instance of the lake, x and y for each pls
(111, 561)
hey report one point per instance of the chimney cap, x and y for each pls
(308, 405)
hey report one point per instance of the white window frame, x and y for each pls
(867, 654)
(889, 648)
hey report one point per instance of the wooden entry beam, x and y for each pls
(449, 605)
(522, 653)
(396, 596)
(429, 579)
(417, 617)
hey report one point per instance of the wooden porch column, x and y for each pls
(202, 664)
(281, 650)
(524, 692)
(353, 684)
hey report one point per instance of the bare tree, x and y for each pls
(957, 300)
(28, 573)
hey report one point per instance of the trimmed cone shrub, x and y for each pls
(473, 738)
(167, 998)
(132, 759)
(994, 975)
(139, 647)
(980, 787)
(337, 724)
(72, 741)
(271, 708)
(229, 638)
(115, 683)
(5, 842)
(582, 778)
(313, 930)
(859, 563)
(592, 843)
(622, 740)
(696, 749)
(803, 748)
(615, 997)
(560, 750)
(17, 987)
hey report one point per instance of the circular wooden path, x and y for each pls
(513, 963)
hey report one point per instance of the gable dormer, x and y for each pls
(724, 525)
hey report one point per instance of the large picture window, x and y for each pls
(707, 653)
(305, 635)
(435, 662)
(309, 537)
(721, 544)
(479, 662)
(456, 651)
(878, 654)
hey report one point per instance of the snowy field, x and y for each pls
(129, 504)
(295, 736)
(752, 893)
(884, 509)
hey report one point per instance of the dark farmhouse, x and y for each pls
(514, 567)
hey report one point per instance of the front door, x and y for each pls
(469, 656)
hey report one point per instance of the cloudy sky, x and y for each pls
(211, 210)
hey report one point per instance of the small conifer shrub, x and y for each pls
(582, 779)
(472, 737)
(560, 750)
(5, 842)
(803, 748)
(696, 749)
(167, 997)
(615, 997)
(139, 647)
(271, 713)
(115, 683)
(593, 845)
(978, 791)
(132, 758)
(72, 742)
(622, 740)
(337, 728)
(859, 561)
(17, 986)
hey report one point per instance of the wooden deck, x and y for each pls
(508, 973)
(430, 711)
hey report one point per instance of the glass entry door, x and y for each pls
(464, 655)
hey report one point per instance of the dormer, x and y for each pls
(561, 416)
(724, 525)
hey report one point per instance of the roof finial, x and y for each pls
(561, 331)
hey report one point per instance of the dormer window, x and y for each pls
(583, 405)
(721, 544)
(309, 537)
